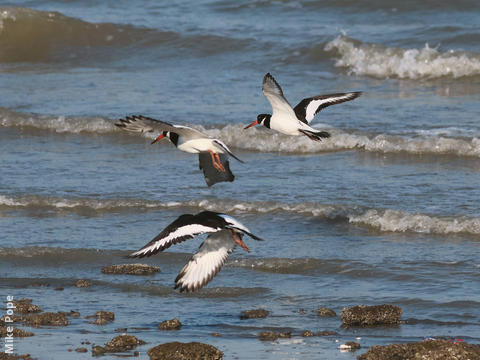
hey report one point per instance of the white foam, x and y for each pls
(59, 124)
(399, 221)
(388, 220)
(383, 62)
(264, 140)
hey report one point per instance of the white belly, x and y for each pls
(196, 146)
(285, 125)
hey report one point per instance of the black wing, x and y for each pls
(309, 107)
(211, 173)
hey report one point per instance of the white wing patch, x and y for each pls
(234, 223)
(187, 230)
(313, 107)
(206, 262)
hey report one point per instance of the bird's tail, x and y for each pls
(315, 135)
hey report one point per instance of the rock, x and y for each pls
(363, 315)
(307, 333)
(131, 269)
(173, 324)
(25, 306)
(47, 319)
(216, 334)
(4, 356)
(424, 350)
(326, 333)
(325, 312)
(285, 335)
(123, 343)
(16, 332)
(350, 346)
(83, 283)
(254, 314)
(98, 350)
(101, 317)
(59, 288)
(185, 351)
(268, 336)
(81, 350)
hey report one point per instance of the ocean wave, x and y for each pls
(264, 140)
(28, 35)
(384, 62)
(400, 221)
(383, 220)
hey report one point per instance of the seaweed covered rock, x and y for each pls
(424, 350)
(17, 333)
(173, 324)
(184, 351)
(363, 315)
(101, 317)
(130, 269)
(83, 283)
(325, 312)
(47, 319)
(4, 356)
(268, 335)
(123, 343)
(254, 314)
(25, 306)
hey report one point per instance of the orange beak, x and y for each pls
(252, 124)
(158, 138)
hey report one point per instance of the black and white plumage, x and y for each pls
(213, 153)
(225, 233)
(295, 121)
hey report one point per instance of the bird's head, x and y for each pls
(173, 137)
(262, 119)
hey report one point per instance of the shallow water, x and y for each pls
(385, 211)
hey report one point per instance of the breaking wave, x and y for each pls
(426, 142)
(384, 220)
(384, 62)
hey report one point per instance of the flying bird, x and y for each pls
(212, 153)
(295, 121)
(225, 233)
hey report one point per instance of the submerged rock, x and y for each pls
(17, 333)
(173, 324)
(47, 319)
(268, 335)
(254, 314)
(285, 335)
(4, 356)
(363, 315)
(123, 343)
(83, 283)
(326, 333)
(350, 346)
(185, 351)
(25, 306)
(325, 312)
(307, 333)
(101, 317)
(131, 269)
(98, 350)
(81, 350)
(424, 350)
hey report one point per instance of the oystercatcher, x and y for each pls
(225, 233)
(212, 153)
(295, 121)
